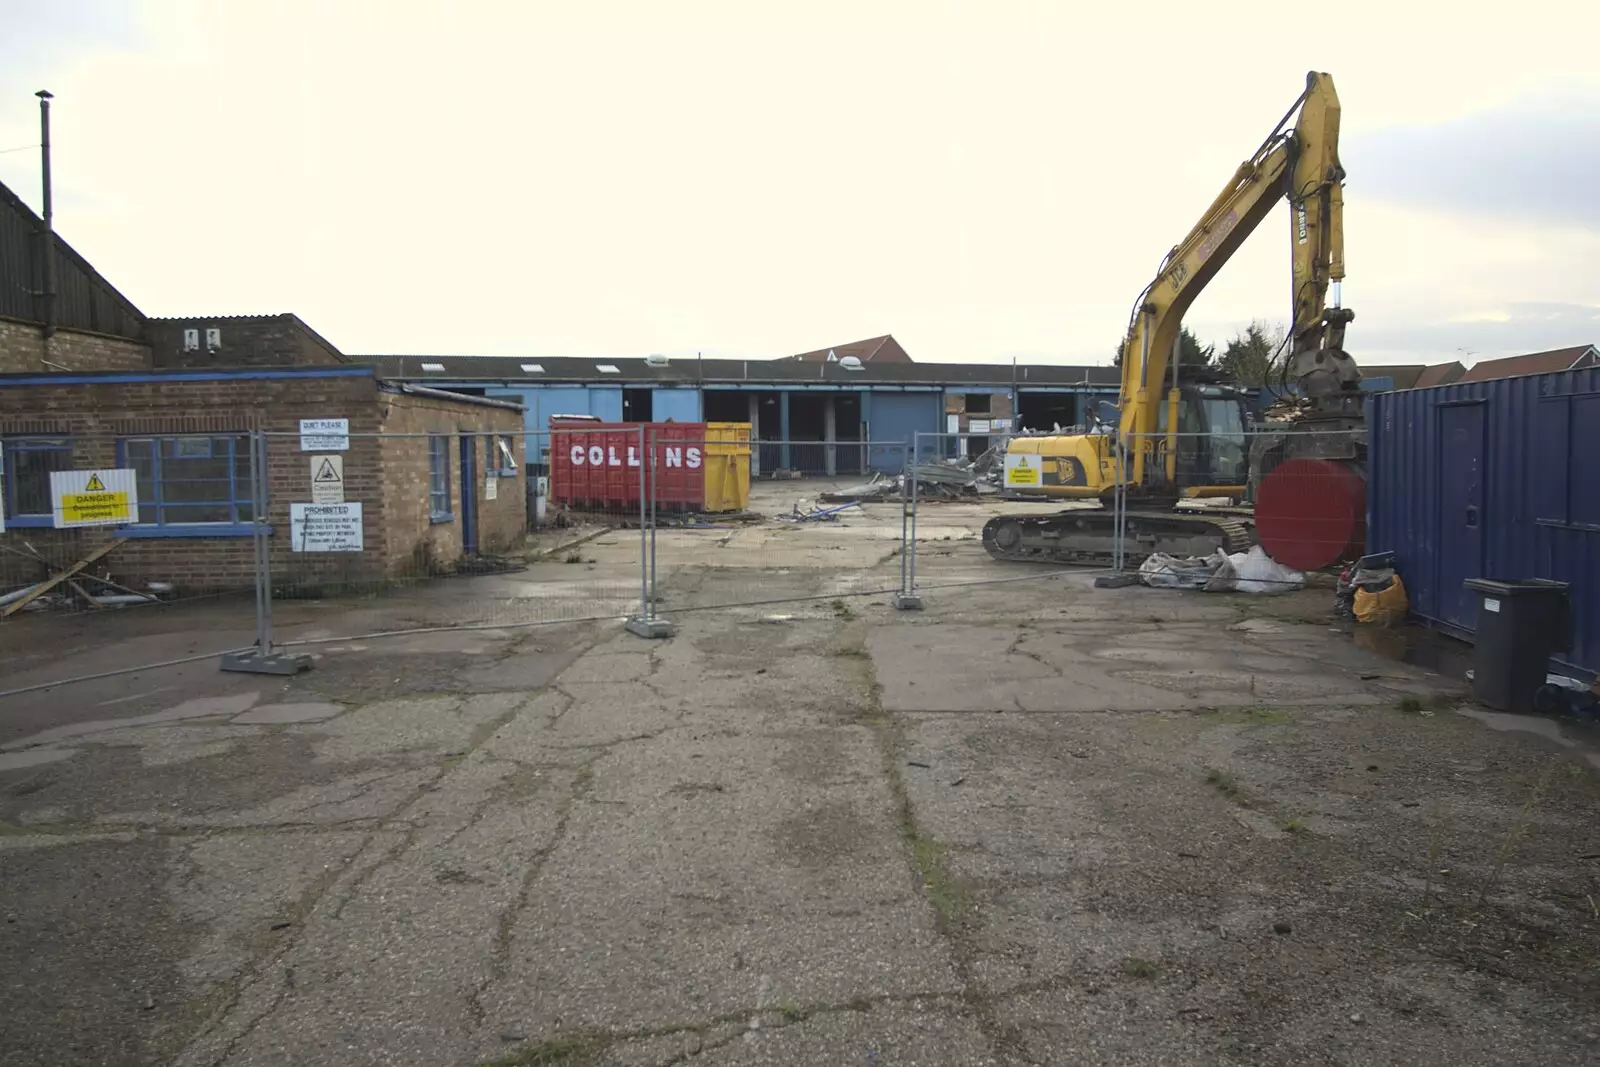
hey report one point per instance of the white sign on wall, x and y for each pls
(94, 498)
(491, 486)
(324, 435)
(977, 425)
(325, 528)
(327, 479)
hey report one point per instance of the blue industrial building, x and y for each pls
(788, 402)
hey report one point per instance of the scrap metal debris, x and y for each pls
(936, 480)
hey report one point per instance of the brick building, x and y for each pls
(89, 383)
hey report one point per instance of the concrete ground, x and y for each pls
(1035, 823)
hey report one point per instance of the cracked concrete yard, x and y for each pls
(1036, 823)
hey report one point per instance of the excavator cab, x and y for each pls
(1213, 452)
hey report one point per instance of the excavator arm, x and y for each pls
(1302, 166)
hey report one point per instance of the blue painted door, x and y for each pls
(679, 405)
(900, 417)
(469, 494)
(1461, 518)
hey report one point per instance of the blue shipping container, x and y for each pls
(1496, 479)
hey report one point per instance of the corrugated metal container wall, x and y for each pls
(598, 465)
(1497, 479)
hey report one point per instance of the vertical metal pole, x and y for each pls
(916, 458)
(905, 518)
(644, 537)
(655, 488)
(258, 542)
(49, 215)
(265, 496)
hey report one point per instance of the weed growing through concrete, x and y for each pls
(1411, 705)
(562, 1050)
(572, 557)
(1249, 716)
(1295, 824)
(1135, 967)
(1227, 785)
(792, 1012)
(1518, 831)
(843, 610)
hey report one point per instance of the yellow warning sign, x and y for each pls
(94, 498)
(1022, 470)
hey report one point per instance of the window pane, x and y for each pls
(189, 479)
(28, 467)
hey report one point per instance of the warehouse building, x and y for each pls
(857, 413)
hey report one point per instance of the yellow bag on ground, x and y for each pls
(1386, 607)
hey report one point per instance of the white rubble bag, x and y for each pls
(1243, 572)
(1256, 572)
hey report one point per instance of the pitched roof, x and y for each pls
(1533, 363)
(883, 349)
(1439, 374)
(1404, 375)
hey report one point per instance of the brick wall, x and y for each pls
(96, 416)
(247, 341)
(955, 403)
(388, 476)
(406, 470)
(24, 350)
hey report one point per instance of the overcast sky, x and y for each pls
(984, 179)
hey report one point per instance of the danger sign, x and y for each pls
(1022, 471)
(94, 498)
(327, 479)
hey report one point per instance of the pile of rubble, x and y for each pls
(940, 479)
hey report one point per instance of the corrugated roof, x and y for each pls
(1557, 359)
(714, 371)
(883, 349)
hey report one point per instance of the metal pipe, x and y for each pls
(49, 215)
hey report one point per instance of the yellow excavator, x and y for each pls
(1175, 439)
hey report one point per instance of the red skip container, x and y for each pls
(597, 465)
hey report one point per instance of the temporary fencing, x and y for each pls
(301, 542)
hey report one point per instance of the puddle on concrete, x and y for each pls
(1416, 645)
(1445, 655)
(1565, 735)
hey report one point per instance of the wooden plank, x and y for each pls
(87, 599)
(56, 579)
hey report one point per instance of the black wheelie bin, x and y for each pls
(1521, 623)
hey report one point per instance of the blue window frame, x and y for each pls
(199, 483)
(439, 479)
(28, 463)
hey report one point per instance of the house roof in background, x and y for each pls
(1438, 374)
(883, 349)
(1557, 359)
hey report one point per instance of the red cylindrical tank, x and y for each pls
(1312, 513)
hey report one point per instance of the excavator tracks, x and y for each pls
(1086, 537)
